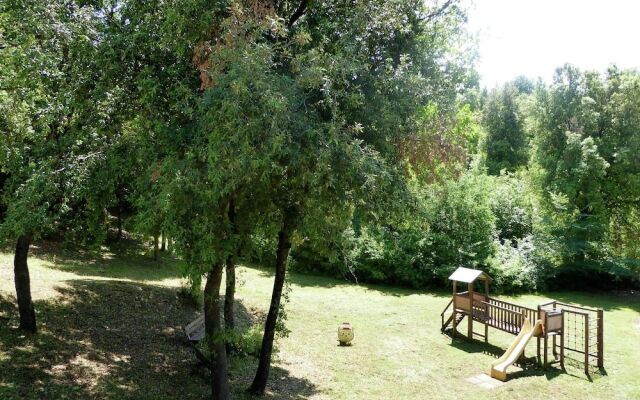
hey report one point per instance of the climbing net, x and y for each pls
(582, 330)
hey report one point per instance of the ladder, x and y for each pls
(447, 324)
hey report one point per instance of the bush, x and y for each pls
(453, 226)
(511, 205)
(513, 266)
(249, 341)
(191, 292)
(476, 221)
(262, 249)
(391, 255)
(461, 224)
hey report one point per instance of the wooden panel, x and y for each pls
(463, 303)
(479, 297)
(554, 322)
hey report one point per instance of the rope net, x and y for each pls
(580, 327)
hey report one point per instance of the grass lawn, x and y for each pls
(111, 328)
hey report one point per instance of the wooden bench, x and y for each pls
(195, 332)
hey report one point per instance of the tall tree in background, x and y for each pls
(586, 151)
(620, 144)
(506, 142)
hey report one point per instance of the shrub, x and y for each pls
(452, 226)
(191, 292)
(511, 205)
(461, 224)
(249, 341)
(513, 266)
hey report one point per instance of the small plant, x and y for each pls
(190, 292)
(247, 342)
(250, 341)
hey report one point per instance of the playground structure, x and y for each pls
(567, 327)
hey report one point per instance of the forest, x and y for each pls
(347, 140)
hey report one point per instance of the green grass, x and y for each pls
(110, 328)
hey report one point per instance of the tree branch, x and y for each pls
(298, 13)
(439, 11)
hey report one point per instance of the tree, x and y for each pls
(584, 140)
(230, 270)
(302, 119)
(506, 143)
(55, 126)
(620, 146)
(152, 45)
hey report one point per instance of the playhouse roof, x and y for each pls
(468, 275)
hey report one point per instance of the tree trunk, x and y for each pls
(229, 297)
(162, 246)
(156, 240)
(230, 290)
(213, 329)
(284, 245)
(23, 285)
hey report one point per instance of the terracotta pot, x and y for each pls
(345, 334)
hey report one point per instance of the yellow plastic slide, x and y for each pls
(499, 367)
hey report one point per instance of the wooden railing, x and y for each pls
(498, 314)
(444, 311)
(501, 315)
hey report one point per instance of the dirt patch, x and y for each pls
(484, 381)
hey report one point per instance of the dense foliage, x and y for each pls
(548, 195)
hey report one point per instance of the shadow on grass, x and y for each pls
(125, 259)
(319, 281)
(113, 340)
(474, 346)
(608, 301)
(530, 366)
(281, 385)
(572, 367)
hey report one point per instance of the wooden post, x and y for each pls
(538, 338)
(600, 338)
(586, 344)
(470, 322)
(555, 351)
(486, 310)
(486, 326)
(545, 340)
(455, 307)
(562, 341)
(524, 349)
